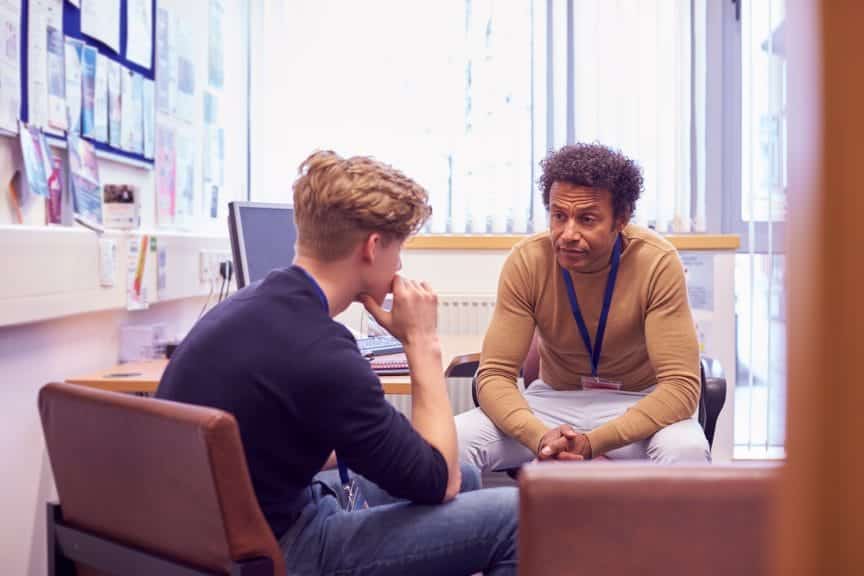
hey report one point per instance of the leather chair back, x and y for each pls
(621, 519)
(161, 476)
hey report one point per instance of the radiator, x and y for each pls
(467, 314)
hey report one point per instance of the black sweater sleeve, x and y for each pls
(371, 436)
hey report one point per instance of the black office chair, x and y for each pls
(711, 399)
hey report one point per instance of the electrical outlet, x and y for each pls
(208, 264)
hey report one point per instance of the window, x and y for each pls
(757, 213)
(632, 90)
(467, 96)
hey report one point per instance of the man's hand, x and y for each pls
(564, 443)
(414, 314)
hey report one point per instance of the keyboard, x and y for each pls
(389, 365)
(379, 345)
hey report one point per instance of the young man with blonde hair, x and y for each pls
(300, 390)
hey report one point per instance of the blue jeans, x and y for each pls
(475, 532)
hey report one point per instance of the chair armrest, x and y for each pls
(713, 395)
(712, 367)
(463, 366)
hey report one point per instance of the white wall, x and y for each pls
(30, 356)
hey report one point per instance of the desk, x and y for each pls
(144, 376)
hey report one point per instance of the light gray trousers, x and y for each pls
(481, 443)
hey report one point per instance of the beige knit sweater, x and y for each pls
(650, 338)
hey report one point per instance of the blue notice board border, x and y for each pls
(72, 29)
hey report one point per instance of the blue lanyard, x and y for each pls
(594, 351)
(343, 469)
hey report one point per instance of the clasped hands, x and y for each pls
(564, 443)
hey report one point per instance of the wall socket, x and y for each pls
(208, 264)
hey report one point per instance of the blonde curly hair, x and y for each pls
(338, 201)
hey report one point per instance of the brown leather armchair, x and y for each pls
(621, 519)
(149, 486)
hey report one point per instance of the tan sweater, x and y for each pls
(650, 338)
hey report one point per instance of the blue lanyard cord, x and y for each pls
(343, 471)
(594, 352)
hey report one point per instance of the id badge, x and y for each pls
(597, 383)
(352, 497)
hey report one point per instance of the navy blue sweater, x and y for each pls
(298, 387)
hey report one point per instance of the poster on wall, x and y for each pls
(186, 71)
(213, 157)
(37, 161)
(100, 19)
(88, 89)
(10, 64)
(56, 79)
(42, 15)
(100, 99)
(57, 195)
(148, 117)
(72, 55)
(131, 124)
(165, 176)
(185, 183)
(115, 104)
(84, 179)
(139, 23)
(699, 272)
(164, 62)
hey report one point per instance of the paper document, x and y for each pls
(88, 89)
(56, 188)
(84, 179)
(56, 79)
(165, 175)
(186, 72)
(100, 19)
(185, 179)
(42, 14)
(72, 54)
(115, 103)
(100, 100)
(214, 155)
(148, 113)
(37, 161)
(139, 27)
(165, 80)
(10, 64)
(131, 126)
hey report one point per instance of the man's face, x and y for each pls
(388, 261)
(582, 225)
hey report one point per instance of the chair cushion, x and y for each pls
(624, 519)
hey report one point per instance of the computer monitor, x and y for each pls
(262, 239)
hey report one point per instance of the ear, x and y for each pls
(621, 223)
(369, 247)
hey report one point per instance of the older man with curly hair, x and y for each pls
(619, 359)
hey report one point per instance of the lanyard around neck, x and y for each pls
(594, 352)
